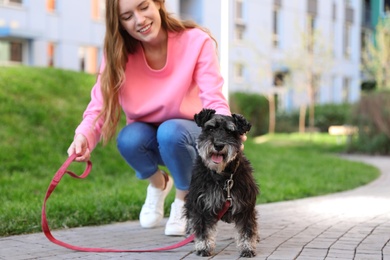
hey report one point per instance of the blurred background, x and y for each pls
(289, 65)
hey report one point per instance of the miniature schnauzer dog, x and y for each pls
(222, 172)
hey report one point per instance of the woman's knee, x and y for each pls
(169, 133)
(133, 136)
(177, 133)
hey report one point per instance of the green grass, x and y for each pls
(294, 166)
(39, 110)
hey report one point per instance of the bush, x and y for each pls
(254, 107)
(324, 116)
(287, 122)
(372, 116)
(332, 114)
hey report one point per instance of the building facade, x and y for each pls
(298, 50)
(65, 34)
(269, 48)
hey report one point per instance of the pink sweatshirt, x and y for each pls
(189, 81)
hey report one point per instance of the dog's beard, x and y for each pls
(216, 160)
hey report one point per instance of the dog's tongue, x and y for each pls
(217, 158)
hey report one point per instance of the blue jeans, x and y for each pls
(172, 144)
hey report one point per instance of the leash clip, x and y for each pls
(228, 185)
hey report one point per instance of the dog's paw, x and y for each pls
(203, 253)
(247, 253)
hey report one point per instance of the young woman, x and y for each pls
(160, 71)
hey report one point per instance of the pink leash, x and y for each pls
(45, 227)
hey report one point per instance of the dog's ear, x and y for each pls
(242, 124)
(203, 116)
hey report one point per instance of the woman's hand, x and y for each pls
(243, 139)
(79, 146)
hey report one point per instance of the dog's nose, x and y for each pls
(218, 147)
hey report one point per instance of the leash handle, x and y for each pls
(45, 227)
(46, 230)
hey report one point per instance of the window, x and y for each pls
(315, 83)
(82, 57)
(11, 52)
(16, 50)
(239, 72)
(345, 91)
(88, 58)
(239, 21)
(279, 78)
(310, 23)
(347, 32)
(275, 29)
(98, 9)
(312, 7)
(347, 40)
(4, 52)
(332, 89)
(334, 12)
(238, 10)
(386, 6)
(50, 5)
(366, 14)
(310, 32)
(11, 2)
(50, 54)
(239, 32)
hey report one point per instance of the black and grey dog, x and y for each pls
(221, 169)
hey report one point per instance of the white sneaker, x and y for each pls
(152, 211)
(176, 224)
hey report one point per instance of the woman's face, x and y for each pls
(141, 19)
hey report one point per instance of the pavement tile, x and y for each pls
(368, 256)
(313, 252)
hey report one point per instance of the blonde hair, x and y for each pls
(117, 45)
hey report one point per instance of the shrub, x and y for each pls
(287, 122)
(325, 116)
(372, 116)
(254, 107)
(332, 114)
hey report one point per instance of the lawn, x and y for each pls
(41, 107)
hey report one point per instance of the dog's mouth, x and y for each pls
(217, 158)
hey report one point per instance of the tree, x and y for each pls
(376, 56)
(309, 61)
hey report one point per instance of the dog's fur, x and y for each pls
(221, 158)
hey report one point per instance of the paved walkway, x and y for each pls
(347, 225)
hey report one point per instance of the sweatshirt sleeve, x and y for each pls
(88, 127)
(209, 80)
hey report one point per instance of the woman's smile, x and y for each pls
(145, 28)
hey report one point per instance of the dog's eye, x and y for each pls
(210, 128)
(231, 129)
(231, 132)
